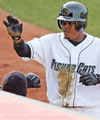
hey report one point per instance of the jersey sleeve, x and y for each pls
(38, 46)
(41, 48)
(37, 50)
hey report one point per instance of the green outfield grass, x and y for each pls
(44, 12)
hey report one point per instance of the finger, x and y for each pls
(93, 76)
(15, 21)
(5, 23)
(83, 78)
(86, 81)
(89, 84)
(20, 27)
(82, 73)
(9, 18)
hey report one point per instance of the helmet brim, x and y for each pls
(70, 19)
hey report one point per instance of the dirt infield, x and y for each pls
(9, 60)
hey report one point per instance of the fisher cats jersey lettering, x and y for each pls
(82, 68)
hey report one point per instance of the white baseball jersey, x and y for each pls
(63, 63)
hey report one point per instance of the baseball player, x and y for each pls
(71, 59)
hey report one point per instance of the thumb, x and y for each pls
(20, 27)
(5, 23)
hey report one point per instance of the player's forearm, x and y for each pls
(21, 48)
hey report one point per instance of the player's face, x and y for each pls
(70, 31)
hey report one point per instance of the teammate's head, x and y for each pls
(15, 82)
(73, 12)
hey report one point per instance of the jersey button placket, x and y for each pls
(74, 59)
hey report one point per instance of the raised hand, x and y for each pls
(13, 27)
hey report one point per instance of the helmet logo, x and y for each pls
(65, 12)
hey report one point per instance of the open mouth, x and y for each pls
(66, 32)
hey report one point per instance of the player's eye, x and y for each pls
(66, 22)
(63, 23)
(69, 22)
